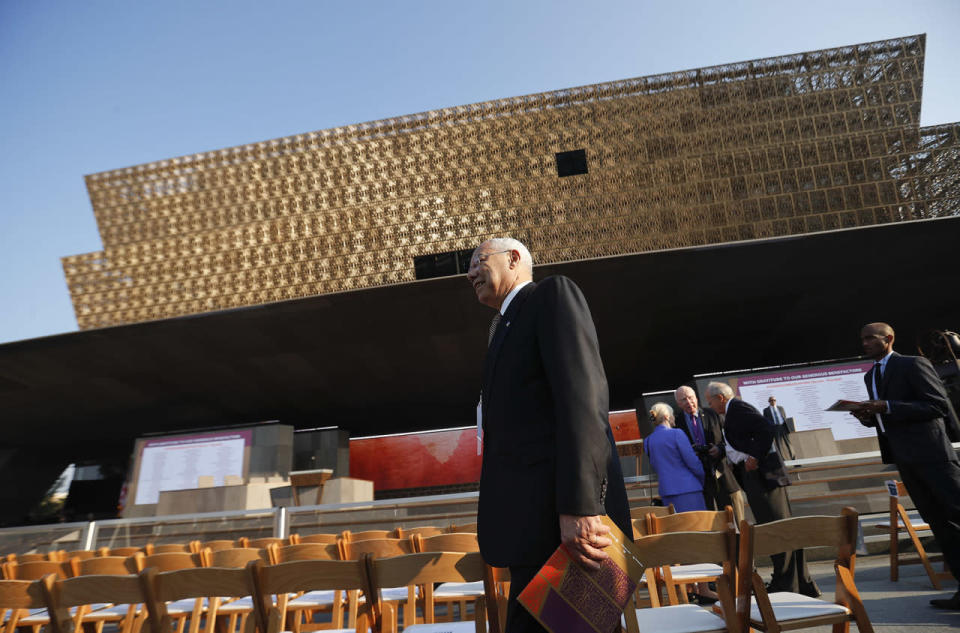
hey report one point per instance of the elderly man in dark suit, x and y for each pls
(909, 410)
(705, 432)
(763, 478)
(550, 465)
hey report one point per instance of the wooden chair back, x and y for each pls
(376, 547)
(639, 527)
(168, 561)
(236, 556)
(366, 535)
(61, 595)
(450, 542)
(266, 542)
(119, 551)
(17, 598)
(33, 557)
(327, 539)
(305, 575)
(103, 566)
(466, 527)
(641, 511)
(305, 551)
(35, 570)
(159, 588)
(82, 554)
(424, 570)
(696, 521)
(219, 544)
(425, 531)
(165, 548)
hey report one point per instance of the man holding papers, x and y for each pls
(908, 410)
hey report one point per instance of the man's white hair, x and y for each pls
(661, 412)
(510, 244)
(682, 389)
(720, 388)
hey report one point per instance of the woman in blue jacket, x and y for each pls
(679, 471)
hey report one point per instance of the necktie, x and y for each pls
(697, 431)
(877, 376)
(493, 328)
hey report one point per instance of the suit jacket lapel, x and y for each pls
(885, 378)
(503, 329)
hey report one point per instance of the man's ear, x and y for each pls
(514, 259)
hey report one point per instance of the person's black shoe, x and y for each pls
(947, 603)
(810, 590)
(704, 601)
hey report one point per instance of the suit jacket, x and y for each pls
(678, 468)
(748, 432)
(915, 430)
(768, 414)
(713, 434)
(547, 444)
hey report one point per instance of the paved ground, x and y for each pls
(894, 607)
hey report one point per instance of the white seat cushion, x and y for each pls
(684, 618)
(312, 599)
(458, 589)
(240, 605)
(388, 594)
(680, 572)
(794, 606)
(466, 626)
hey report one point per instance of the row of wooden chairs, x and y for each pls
(744, 603)
(301, 607)
(69, 602)
(218, 544)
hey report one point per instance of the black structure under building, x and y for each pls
(408, 357)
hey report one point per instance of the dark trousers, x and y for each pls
(519, 619)
(934, 488)
(790, 571)
(715, 493)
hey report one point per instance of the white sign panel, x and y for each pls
(176, 464)
(805, 393)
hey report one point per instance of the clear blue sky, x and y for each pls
(88, 86)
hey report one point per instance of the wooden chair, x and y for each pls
(20, 599)
(235, 611)
(424, 570)
(642, 511)
(784, 610)
(384, 548)
(81, 554)
(32, 557)
(301, 609)
(183, 610)
(450, 593)
(95, 600)
(686, 548)
(306, 576)
(900, 522)
(266, 542)
(162, 589)
(330, 539)
(678, 577)
(101, 614)
(466, 527)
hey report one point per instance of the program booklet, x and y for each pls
(564, 596)
(844, 405)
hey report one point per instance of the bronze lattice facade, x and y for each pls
(780, 146)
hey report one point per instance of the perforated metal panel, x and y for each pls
(786, 145)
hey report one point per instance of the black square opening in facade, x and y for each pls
(571, 163)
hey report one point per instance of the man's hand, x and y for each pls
(714, 452)
(585, 538)
(751, 463)
(873, 407)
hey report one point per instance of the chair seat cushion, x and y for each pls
(458, 589)
(466, 626)
(688, 618)
(240, 605)
(919, 527)
(794, 606)
(680, 572)
(311, 599)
